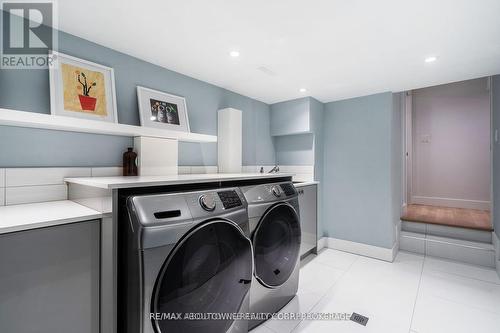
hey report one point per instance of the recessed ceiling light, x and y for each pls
(430, 59)
(234, 54)
(302, 90)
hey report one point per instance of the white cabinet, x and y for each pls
(291, 117)
(308, 205)
(230, 140)
(156, 156)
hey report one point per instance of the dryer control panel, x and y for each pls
(269, 192)
(288, 189)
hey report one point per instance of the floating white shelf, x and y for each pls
(10, 117)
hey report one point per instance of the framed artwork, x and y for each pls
(82, 89)
(162, 110)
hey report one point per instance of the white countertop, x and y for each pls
(43, 214)
(305, 183)
(141, 181)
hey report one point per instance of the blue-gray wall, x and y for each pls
(496, 154)
(358, 198)
(28, 90)
(295, 149)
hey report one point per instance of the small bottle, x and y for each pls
(129, 163)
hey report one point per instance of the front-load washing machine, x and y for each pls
(188, 262)
(273, 211)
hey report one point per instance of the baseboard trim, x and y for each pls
(395, 248)
(496, 246)
(366, 250)
(321, 243)
(450, 202)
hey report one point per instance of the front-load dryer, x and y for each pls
(273, 211)
(188, 262)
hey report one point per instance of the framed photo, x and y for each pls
(82, 89)
(162, 110)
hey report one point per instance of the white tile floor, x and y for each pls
(414, 294)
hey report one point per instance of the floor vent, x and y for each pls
(357, 318)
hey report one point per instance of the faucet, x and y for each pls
(276, 168)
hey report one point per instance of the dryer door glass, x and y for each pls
(209, 271)
(276, 242)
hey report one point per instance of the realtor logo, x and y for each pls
(28, 33)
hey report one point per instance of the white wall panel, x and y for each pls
(230, 138)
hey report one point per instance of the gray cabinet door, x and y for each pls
(49, 279)
(308, 216)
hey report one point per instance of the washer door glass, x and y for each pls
(209, 271)
(276, 244)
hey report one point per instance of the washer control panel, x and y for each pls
(276, 191)
(207, 202)
(288, 189)
(229, 199)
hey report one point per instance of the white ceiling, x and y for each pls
(335, 48)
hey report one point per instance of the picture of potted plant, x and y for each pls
(87, 102)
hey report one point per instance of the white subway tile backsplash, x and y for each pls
(184, 170)
(42, 176)
(250, 169)
(197, 169)
(267, 168)
(303, 177)
(212, 169)
(30, 194)
(299, 169)
(2, 196)
(193, 169)
(302, 172)
(106, 171)
(28, 185)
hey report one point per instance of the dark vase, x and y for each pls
(129, 163)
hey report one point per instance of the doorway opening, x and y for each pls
(447, 162)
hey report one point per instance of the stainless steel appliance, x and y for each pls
(187, 253)
(273, 212)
